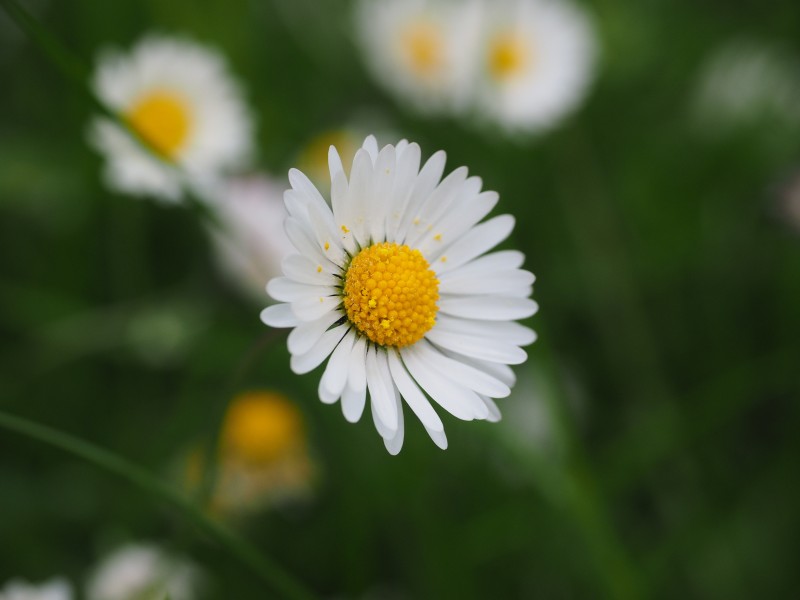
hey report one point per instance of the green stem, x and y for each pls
(269, 572)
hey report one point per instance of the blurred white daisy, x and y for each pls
(745, 82)
(180, 97)
(535, 63)
(143, 572)
(395, 286)
(421, 50)
(55, 589)
(251, 243)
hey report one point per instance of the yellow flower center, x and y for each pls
(163, 119)
(390, 294)
(423, 48)
(260, 427)
(508, 56)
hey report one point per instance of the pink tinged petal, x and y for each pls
(475, 242)
(509, 332)
(279, 315)
(414, 397)
(353, 402)
(426, 182)
(303, 337)
(334, 378)
(284, 289)
(380, 394)
(494, 411)
(502, 283)
(466, 375)
(313, 308)
(504, 260)
(489, 308)
(478, 347)
(304, 363)
(448, 394)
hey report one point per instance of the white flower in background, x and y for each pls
(251, 244)
(181, 98)
(535, 63)
(421, 50)
(743, 82)
(143, 572)
(395, 286)
(55, 589)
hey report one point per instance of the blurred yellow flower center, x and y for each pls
(163, 119)
(508, 56)
(261, 427)
(390, 294)
(423, 47)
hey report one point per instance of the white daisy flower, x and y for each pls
(536, 62)
(143, 572)
(395, 286)
(421, 50)
(55, 589)
(251, 245)
(747, 82)
(180, 97)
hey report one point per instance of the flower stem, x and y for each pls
(282, 582)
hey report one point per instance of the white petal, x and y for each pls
(490, 308)
(497, 370)
(414, 397)
(325, 395)
(334, 163)
(439, 200)
(359, 199)
(448, 394)
(303, 270)
(478, 347)
(353, 402)
(371, 146)
(395, 443)
(335, 376)
(494, 411)
(279, 315)
(475, 242)
(303, 363)
(357, 375)
(426, 182)
(406, 176)
(380, 395)
(466, 375)
(508, 331)
(457, 222)
(313, 308)
(303, 337)
(502, 283)
(439, 438)
(504, 260)
(302, 184)
(383, 184)
(284, 289)
(303, 240)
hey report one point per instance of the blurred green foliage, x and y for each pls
(669, 326)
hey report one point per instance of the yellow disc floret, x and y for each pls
(163, 119)
(390, 294)
(508, 56)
